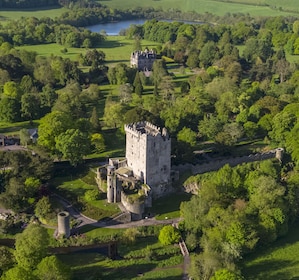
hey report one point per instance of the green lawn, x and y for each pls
(116, 48)
(168, 207)
(14, 128)
(280, 261)
(132, 264)
(215, 7)
(74, 188)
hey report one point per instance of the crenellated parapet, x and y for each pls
(147, 128)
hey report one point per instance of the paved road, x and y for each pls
(88, 221)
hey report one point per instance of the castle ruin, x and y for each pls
(144, 173)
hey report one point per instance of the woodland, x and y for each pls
(240, 83)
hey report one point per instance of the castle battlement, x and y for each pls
(146, 128)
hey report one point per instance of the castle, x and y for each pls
(144, 173)
(143, 60)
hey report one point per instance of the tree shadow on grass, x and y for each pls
(119, 272)
(112, 44)
(169, 203)
(268, 270)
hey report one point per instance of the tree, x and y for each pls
(9, 109)
(43, 208)
(51, 268)
(6, 259)
(187, 135)
(73, 145)
(167, 88)
(138, 88)
(30, 106)
(11, 90)
(169, 235)
(113, 114)
(31, 246)
(225, 274)
(24, 137)
(98, 141)
(52, 125)
(94, 120)
(125, 93)
(17, 272)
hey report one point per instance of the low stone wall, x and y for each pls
(214, 165)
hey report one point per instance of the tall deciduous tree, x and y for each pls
(138, 88)
(73, 145)
(51, 126)
(51, 268)
(31, 246)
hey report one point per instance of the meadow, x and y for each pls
(253, 7)
(116, 48)
(280, 261)
(217, 7)
(38, 13)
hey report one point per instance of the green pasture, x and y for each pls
(215, 7)
(38, 13)
(116, 48)
(279, 261)
(220, 7)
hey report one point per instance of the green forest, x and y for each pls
(220, 86)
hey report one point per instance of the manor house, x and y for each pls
(143, 60)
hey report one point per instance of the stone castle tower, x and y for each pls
(148, 151)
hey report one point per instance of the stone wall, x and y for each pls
(214, 165)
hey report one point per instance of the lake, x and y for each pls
(113, 28)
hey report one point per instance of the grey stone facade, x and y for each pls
(144, 173)
(143, 60)
(148, 154)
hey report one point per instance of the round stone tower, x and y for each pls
(279, 153)
(110, 184)
(64, 223)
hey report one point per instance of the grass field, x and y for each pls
(74, 190)
(116, 48)
(280, 261)
(252, 7)
(132, 263)
(13, 15)
(218, 7)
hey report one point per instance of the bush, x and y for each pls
(92, 195)
(169, 235)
